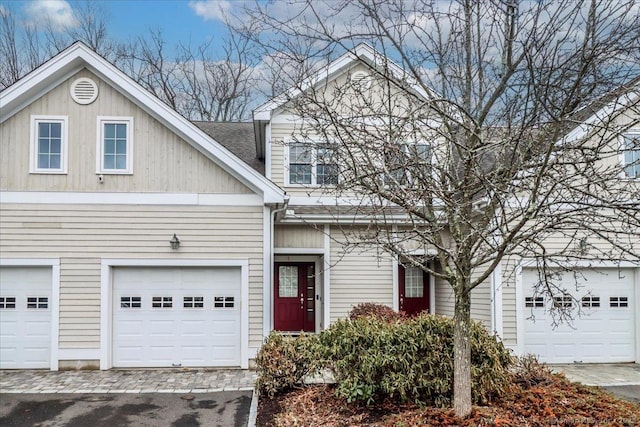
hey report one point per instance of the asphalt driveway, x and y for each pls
(223, 409)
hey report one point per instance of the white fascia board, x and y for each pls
(79, 55)
(599, 116)
(92, 198)
(362, 52)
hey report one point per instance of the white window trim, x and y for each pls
(33, 146)
(314, 165)
(102, 120)
(623, 149)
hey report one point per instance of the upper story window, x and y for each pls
(115, 142)
(312, 164)
(632, 153)
(48, 144)
(406, 162)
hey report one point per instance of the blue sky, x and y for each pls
(179, 20)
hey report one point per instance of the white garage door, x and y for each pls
(25, 317)
(164, 317)
(605, 332)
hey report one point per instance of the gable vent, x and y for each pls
(361, 79)
(84, 91)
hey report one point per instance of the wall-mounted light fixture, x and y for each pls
(175, 242)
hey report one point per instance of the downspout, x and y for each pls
(274, 213)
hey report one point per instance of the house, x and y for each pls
(131, 237)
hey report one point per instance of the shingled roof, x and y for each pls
(237, 137)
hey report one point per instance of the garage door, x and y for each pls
(173, 317)
(25, 317)
(605, 332)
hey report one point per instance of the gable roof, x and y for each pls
(237, 137)
(363, 53)
(78, 56)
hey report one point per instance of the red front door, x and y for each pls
(414, 289)
(294, 297)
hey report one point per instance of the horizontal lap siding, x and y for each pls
(480, 300)
(444, 298)
(363, 275)
(81, 235)
(298, 236)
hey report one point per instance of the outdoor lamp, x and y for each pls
(175, 242)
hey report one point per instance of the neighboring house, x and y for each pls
(99, 181)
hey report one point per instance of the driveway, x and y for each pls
(223, 409)
(620, 379)
(123, 397)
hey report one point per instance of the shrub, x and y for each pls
(284, 361)
(379, 311)
(528, 372)
(373, 358)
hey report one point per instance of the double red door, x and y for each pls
(413, 294)
(295, 297)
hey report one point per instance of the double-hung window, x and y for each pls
(312, 164)
(115, 145)
(631, 153)
(48, 144)
(406, 163)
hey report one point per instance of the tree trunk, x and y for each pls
(462, 355)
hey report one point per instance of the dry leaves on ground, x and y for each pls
(558, 403)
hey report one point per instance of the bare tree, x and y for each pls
(26, 45)
(465, 150)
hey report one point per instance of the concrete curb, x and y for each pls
(253, 410)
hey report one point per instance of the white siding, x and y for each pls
(80, 235)
(298, 236)
(162, 161)
(361, 275)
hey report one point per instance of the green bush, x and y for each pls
(284, 361)
(380, 311)
(373, 358)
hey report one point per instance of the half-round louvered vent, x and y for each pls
(84, 91)
(361, 79)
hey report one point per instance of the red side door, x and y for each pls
(414, 289)
(294, 297)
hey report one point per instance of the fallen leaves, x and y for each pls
(556, 403)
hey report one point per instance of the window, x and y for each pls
(312, 164)
(534, 302)
(162, 302)
(413, 282)
(590, 301)
(618, 302)
(115, 145)
(223, 302)
(7, 302)
(326, 167)
(564, 301)
(287, 281)
(632, 154)
(130, 302)
(406, 163)
(48, 144)
(37, 302)
(193, 302)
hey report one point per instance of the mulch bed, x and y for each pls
(558, 403)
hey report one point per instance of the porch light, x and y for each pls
(175, 242)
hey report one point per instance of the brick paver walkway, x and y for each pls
(127, 381)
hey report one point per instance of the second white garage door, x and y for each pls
(604, 333)
(172, 317)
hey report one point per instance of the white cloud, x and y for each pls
(3, 11)
(211, 10)
(57, 13)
